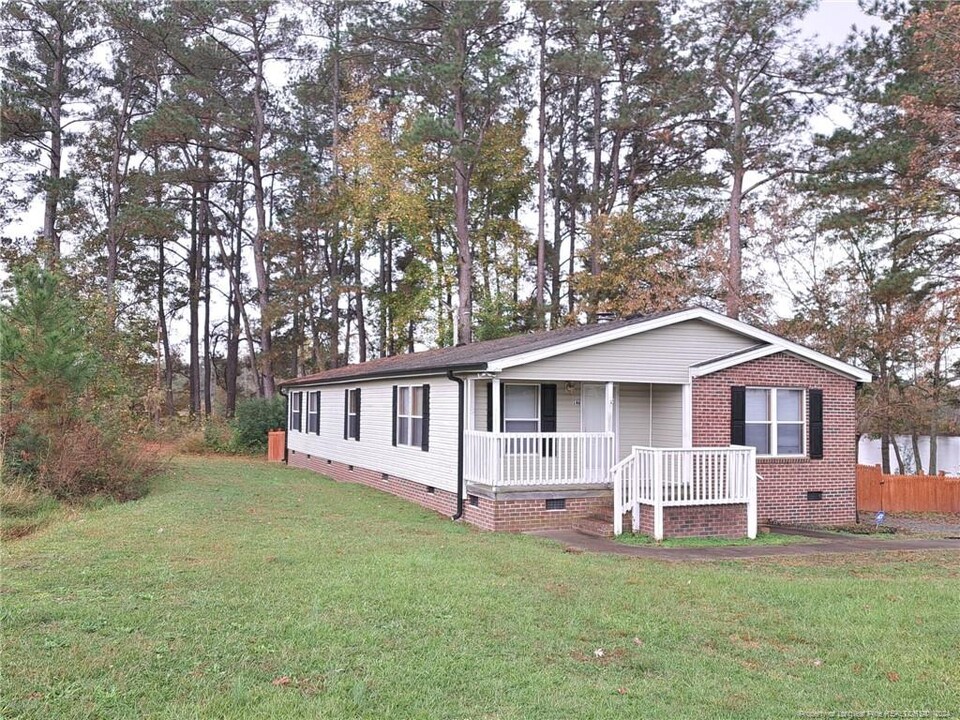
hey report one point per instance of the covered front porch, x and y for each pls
(549, 440)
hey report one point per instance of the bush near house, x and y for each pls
(255, 418)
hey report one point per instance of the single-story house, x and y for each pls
(683, 423)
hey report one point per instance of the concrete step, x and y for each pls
(595, 525)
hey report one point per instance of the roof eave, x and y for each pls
(381, 374)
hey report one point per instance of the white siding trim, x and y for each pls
(687, 415)
(732, 361)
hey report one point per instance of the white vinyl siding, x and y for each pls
(375, 449)
(667, 416)
(663, 355)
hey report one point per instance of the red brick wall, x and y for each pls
(728, 521)
(507, 515)
(782, 492)
(524, 515)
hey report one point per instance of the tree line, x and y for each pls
(291, 185)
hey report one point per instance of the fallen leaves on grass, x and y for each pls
(893, 676)
(281, 681)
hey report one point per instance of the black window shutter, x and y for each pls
(425, 440)
(489, 407)
(356, 434)
(303, 405)
(394, 415)
(318, 412)
(738, 415)
(548, 415)
(816, 423)
(346, 414)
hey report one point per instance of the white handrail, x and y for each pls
(671, 477)
(541, 458)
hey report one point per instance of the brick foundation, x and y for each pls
(510, 515)
(782, 491)
(725, 521)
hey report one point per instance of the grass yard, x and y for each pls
(242, 590)
(762, 539)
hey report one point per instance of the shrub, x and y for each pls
(255, 418)
(218, 436)
(66, 438)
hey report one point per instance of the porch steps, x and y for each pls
(597, 525)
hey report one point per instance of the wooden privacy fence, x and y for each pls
(906, 493)
(276, 441)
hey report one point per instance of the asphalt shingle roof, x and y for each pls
(473, 356)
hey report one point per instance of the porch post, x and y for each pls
(658, 495)
(752, 494)
(495, 416)
(686, 414)
(608, 419)
(471, 404)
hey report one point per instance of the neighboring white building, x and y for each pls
(948, 453)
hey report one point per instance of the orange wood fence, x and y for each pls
(906, 493)
(276, 439)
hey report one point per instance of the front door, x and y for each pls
(593, 418)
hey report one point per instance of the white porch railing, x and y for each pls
(663, 477)
(511, 459)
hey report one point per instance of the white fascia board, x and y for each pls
(729, 362)
(684, 316)
(791, 347)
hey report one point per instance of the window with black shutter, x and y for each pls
(353, 414)
(295, 410)
(312, 414)
(411, 416)
(773, 420)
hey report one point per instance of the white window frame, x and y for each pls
(352, 429)
(409, 416)
(295, 407)
(773, 423)
(313, 398)
(522, 447)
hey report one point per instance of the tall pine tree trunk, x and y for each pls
(541, 177)
(735, 263)
(51, 206)
(461, 208)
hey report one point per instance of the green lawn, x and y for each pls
(237, 589)
(762, 539)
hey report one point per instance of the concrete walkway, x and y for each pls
(829, 544)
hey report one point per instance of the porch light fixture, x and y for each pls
(570, 388)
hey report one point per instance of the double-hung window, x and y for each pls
(353, 415)
(521, 414)
(313, 415)
(295, 407)
(774, 421)
(410, 415)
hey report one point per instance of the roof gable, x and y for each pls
(498, 355)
